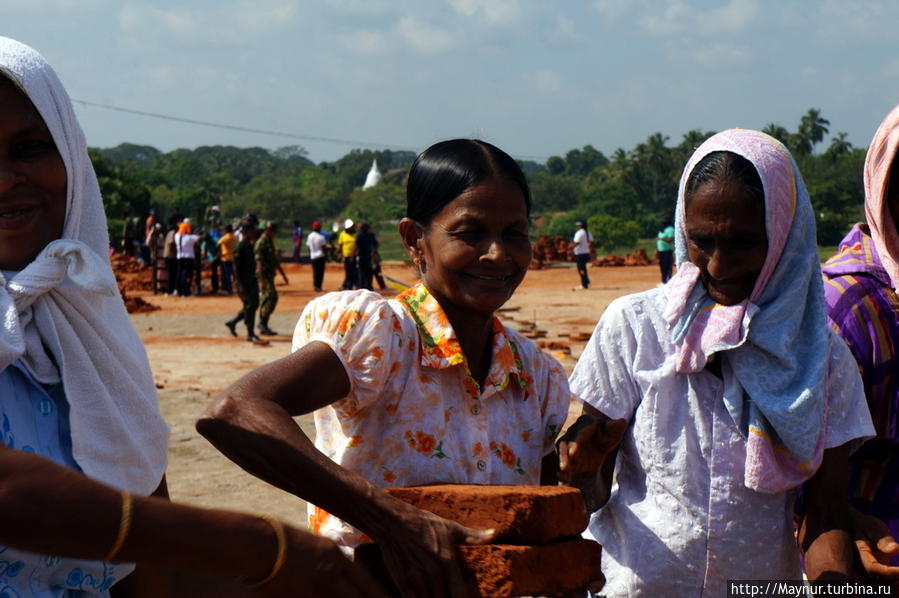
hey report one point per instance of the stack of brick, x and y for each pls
(538, 549)
(638, 258)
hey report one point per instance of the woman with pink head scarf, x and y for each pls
(721, 394)
(860, 284)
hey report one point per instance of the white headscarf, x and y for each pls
(63, 316)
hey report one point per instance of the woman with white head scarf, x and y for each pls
(729, 393)
(82, 442)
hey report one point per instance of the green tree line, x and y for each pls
(622, 196)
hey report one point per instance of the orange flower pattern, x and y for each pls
(317, 518)
(414, 414)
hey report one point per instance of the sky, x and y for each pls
(535, 77)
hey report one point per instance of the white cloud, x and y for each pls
(565, 30)
(52, 7)
(548, 81)
(718, 55)
(613, 9)
(494, 12)
(850, 21)
(809, 72)
(234, 23)
(361, 6)
(363, 42)
(424, 37)
(162, 76)
(678, 18)
(891, 69)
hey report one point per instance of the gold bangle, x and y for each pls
(282, 549)
(124, 526)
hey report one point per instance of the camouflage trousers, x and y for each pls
(268, 299)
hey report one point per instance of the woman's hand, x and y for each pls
(584, 447)
(316, 567)
(875, 545)
(422, 557)
(586, 455)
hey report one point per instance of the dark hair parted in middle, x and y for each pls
(446, 169)
(725, 166)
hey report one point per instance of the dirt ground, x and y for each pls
(193, 356)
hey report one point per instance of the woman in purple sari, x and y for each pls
(860, 284)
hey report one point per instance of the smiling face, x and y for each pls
(32, 181)
(726, 240)
(475, 251)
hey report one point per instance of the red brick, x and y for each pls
(503, 571)
(520, 514)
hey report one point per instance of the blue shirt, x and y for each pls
(668, 233)
(35, 419)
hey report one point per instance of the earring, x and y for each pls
(416, 260)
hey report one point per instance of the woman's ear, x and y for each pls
(411, 233)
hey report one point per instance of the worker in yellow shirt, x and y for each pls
(226, 247)
(346, 245)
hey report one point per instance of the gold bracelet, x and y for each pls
(124, 526)
(282, 549)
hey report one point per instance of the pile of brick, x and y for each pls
(132, 276)
(638, 258)
(553, 249)
(538, 549)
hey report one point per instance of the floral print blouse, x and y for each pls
(415, 415)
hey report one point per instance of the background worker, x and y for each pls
(582, 241)
(245, 280)
(267, 267)
(346, 248)
(316, 243)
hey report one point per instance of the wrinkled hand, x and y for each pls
(316, 567)
(875, 545)
(422, 557)
(586, 444)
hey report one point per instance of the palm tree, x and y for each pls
(655, 157)
(812, 129)
(839, 145)
(781, 134)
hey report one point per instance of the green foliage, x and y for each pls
(611, 232)
(354, 166)
(123, 194)
(379, 203)
(626, 191)
(564, 224)
(553, 193)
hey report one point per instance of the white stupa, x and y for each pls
(373, 177)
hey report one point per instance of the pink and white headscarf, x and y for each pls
(878, 163)
(774, 344)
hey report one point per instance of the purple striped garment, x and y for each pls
(863, 309)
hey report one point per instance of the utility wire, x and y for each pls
(193, 121)
(246, 129)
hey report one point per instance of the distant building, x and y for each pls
(373, 177)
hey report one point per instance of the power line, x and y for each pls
(204, 123)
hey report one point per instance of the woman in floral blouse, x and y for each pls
(429, 387)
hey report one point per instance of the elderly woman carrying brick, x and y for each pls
(723, 393)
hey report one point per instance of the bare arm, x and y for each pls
(162, 535)
(252, 423)
(825, 532)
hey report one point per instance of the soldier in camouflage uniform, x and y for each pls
(245, 281)
(266, 268)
